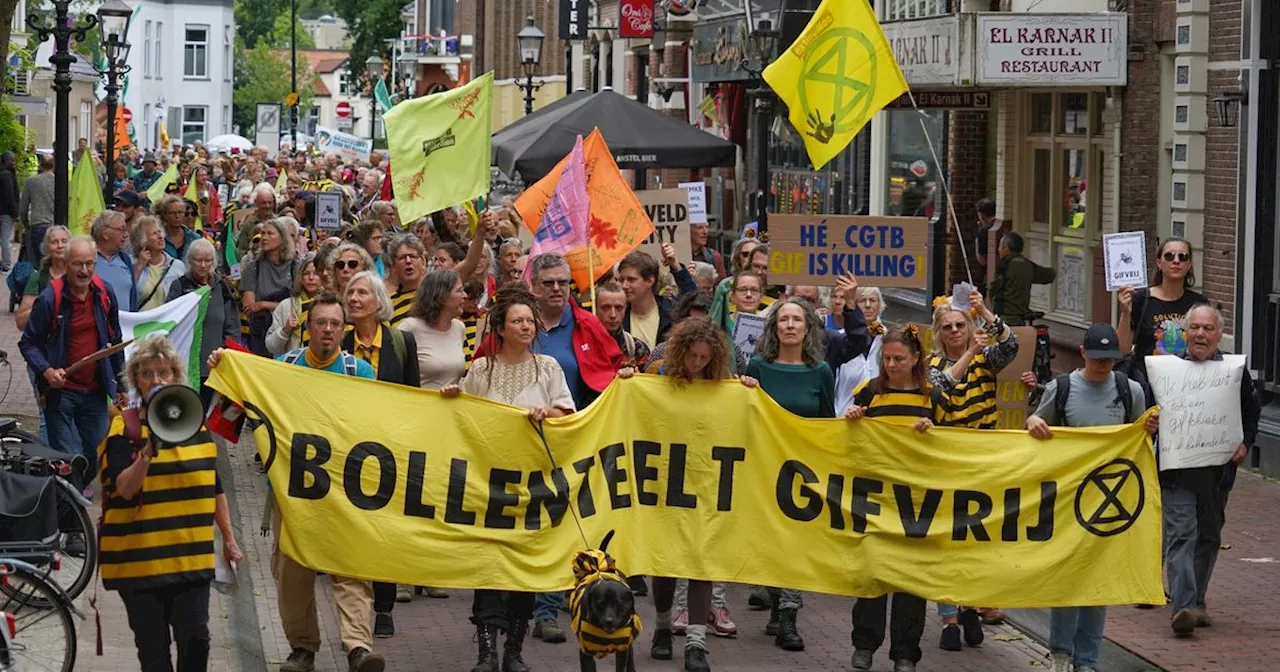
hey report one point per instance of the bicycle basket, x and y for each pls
(28, 508)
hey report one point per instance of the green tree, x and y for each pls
(256, 19)
(279, 36)
(371, 23)
(262, 76)
(7, 8)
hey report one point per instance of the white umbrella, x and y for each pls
(226, 143)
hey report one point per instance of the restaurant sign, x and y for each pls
(1052, 49)
(719, 49)
(927, 49)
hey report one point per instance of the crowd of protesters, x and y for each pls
(446, 303)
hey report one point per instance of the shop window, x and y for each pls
(1060, 202)
(913, 189)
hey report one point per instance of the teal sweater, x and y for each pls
(807, 391)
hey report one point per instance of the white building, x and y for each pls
(182, 60)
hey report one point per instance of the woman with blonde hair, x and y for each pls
(153, 268)
(53, 264)
(344, 263)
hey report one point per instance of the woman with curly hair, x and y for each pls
(696, 350)
(512, 374)
(901, 394)
(790, 364)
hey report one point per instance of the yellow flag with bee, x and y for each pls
(838, 74)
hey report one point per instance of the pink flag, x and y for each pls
(564, 226)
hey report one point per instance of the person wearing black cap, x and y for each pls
(128, 202)
(1091, 396)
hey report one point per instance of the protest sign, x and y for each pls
(344, 145)
(697, 201)
(747, 332)
(1125, 257)
(1200, 424)
(877, 507)
(668, 209)
(1011, 394)
(328, 210)
(880, 251)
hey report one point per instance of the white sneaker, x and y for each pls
(1060, 662)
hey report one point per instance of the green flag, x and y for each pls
(384, 98)
(86, 196)
(440, 147)
(194, 196)
(157, 189)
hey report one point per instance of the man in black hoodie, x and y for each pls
(8, 209)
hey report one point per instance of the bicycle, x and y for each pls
(37, 632)
(77, 542)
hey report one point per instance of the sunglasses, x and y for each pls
(352, 264)
(1180, 256)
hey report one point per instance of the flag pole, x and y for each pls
(946, 189)
(591, 273)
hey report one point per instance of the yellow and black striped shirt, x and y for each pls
(401, 304)
(164, 535)
(471, 324)
(972, 402)
(592, 566)
(901, 407)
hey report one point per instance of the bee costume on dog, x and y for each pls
(590, 566)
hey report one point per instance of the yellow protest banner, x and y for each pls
(711, 481)
(837, 74)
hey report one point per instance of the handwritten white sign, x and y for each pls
(1125, 258)
(747, 332)
(328, 210)
(1200, 423)
(697, 201)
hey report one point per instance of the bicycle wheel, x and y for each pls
(79, 543)
(42, 638)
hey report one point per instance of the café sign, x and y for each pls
(1052, 49)
(927, 50)
(719, 48)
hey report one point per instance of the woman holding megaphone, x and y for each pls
(161, 498)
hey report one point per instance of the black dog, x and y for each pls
(603, 610)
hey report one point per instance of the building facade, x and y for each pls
(182, 57)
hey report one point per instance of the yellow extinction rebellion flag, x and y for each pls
(86, 197)
(711, 480)
(838, 73)
(440, 148)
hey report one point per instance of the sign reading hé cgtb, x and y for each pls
(880, 251)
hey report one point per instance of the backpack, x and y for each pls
(1063, 390)
(104, 297)
(349, 361)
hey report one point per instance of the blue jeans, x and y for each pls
(6, 237)
(547, 606)
(77, 423)
(1192, 536)
(1077, 632)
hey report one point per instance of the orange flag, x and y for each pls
(618, 223)
(122, 132)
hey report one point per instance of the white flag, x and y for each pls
(182, 320)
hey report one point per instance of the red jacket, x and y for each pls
(599, 356)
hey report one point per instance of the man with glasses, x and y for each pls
(110, 232)
(295, 584)
(173, 213)
(74, 317)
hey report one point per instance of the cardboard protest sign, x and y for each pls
(880, 251)
(697, 201)
(1011, 394)
(669, 211)
(1125, 257)
(1200, 423)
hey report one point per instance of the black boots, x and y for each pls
(511, 661)
(487, 636)
(788, 638)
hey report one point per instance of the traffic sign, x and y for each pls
(128, 116)
(344, 109)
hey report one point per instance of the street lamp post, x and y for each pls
(113, 16)
(63, 28)
(529, 41)
(762, 44)
(409, 70)
(373, 66)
